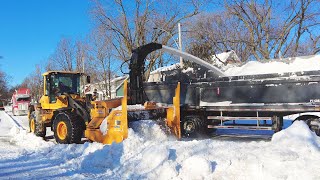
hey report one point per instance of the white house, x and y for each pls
(116, 88)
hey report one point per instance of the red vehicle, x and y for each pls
(20, 101)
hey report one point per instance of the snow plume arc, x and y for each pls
(193, 59)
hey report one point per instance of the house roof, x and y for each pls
(64, 72)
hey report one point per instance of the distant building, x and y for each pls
(116, 88)
(158, 75)
(225, 58)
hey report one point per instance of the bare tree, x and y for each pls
(34, 82)
(142, 21)
(216, 32)
(81, 56)
(63, 57)
(262, 29)
(101, 53)
(4, 88)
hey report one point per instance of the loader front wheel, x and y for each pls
(68, 128)
(62, 130)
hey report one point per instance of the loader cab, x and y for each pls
(58, 83)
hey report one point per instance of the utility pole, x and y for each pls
(82, 58)
(180, 44)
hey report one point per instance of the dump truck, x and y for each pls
(211, 100)
(20, 100)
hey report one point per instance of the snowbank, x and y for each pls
(298, 135)
(148, 153)
(166, 68)
(195, 167)
(27, 140)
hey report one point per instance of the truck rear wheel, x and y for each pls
(194, 127)
(68, 128)
(35, 126)
(312, 121)
(314, 125)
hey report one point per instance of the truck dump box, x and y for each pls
(296, 91)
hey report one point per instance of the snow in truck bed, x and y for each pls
(297, 64)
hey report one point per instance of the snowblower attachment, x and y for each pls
(173, 114)
(114, 128)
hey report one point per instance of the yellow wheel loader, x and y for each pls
(72, 116)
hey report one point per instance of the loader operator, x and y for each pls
(63, 88)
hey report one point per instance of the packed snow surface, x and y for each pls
(149, 153)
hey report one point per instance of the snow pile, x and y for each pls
(297, 64)
(195, 167)
(104, 126)
(149, 130)
(226, 59)
(153, 157)
(19, 136)
(98, 158)
(166, 68)
(149, 154)
(189, 69)
(28, 141)
(131, 107)
(298, 135)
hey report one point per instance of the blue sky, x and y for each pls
(31, 29)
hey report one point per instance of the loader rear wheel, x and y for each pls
(32, 125)
(35, 126)
(314, 125)
(68, 128)
(194, 127)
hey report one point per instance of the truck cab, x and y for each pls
(20, 101)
